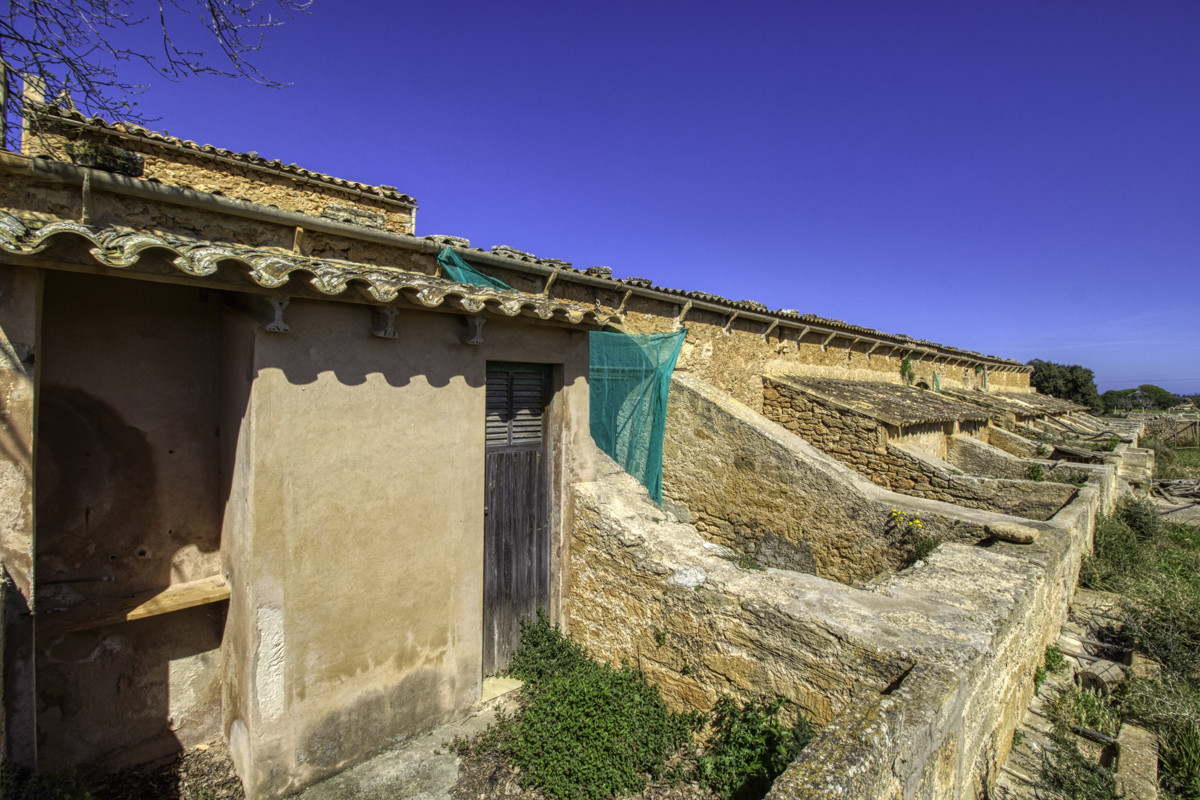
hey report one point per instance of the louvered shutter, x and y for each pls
(516, 402)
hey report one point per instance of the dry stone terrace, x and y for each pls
(329, 433)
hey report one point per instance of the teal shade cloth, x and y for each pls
(629, 383)
(460, 271)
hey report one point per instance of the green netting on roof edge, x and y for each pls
(460, 271)
(629, 380)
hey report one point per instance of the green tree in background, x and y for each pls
(1156, 397)
(1118, 399)
(1066, 382)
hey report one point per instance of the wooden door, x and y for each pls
(516, 560)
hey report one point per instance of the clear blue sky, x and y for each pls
(1020, 178)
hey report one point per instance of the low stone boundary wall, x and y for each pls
(944, 732)
(862, 443)
(747, 483)
(917, 681)
(976, 458)
(648, 589)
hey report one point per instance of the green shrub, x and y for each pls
(586, 729)
(1171, 708)
(594, 731)
(544, 651)
(1067, 775)
(1074, 477)
(1141, 516)
(1077, 706)
(1116, 554)
(749, 747)
(1036, 473)
(1055, 662)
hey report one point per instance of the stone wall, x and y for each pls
(1013, 443)
(747, 483)
(863, 443)
(724, 629)
(943, 733)
(918, 681)
(232, 175)
(734, 358)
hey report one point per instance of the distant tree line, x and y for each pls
(1066, 382)
(1146, 397)
(1078, 384)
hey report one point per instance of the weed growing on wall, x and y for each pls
(910, 531)
(745, 561)
(749, 747)
(906, 371)
(1072, 477)
(1055, 661)
(1035, 473)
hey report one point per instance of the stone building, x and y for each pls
(270, 476)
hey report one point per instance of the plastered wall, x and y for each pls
(129, 495)
(357, 574)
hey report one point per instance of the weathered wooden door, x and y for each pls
(516, 560)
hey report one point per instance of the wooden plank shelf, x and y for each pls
(126, 609)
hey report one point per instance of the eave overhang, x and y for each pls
(123, 248)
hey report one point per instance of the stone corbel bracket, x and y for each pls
(474, 334)
(122, 249)
(278, 302)
(384, 322)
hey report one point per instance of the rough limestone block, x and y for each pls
(1012, 532)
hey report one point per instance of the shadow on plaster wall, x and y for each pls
(130, 495)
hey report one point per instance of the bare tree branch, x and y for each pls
(72, 45)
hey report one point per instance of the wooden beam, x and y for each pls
(682, 313)
(550, 281)
(828, 339)
(729, 322)
(767, 333)
(146, 604)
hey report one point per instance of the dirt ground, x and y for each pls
(202, 773)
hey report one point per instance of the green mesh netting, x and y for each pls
(460, 271)
(630, 378)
